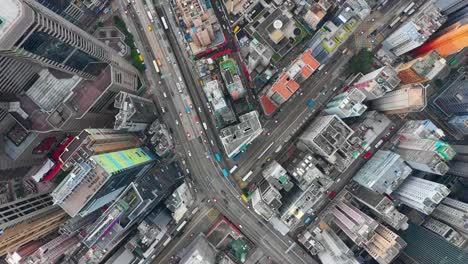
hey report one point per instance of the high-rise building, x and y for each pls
(358, 226)
(420, 129)
(383, 173)
(445, 231)
(92, 142)
(328, 246)
(277, 176)
(98, 180)
(375, 84)
(381, 206)
(454, 213)
(409, 98)
(81, 12)
(421, 69)
(328, 136)
(380, 242)
(420, 194)
(36, 228)
(347, 104)
(266, 200)
(385, 245)
(453, 39)
(135, 112)
(34, 34)
(430, 155)
(25, 209)
(424, 161)
(459, 123)
(199, 251)
(419, 27)
(50, 252)
(454, 99)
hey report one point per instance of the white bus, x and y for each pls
(150, 16)
(181, 225)
(164, 22)
(408, 7)
(394, 22)
(247, 176)
(233, 169)
(156, 67)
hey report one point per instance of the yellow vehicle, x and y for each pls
(236, 29)
(150, 27)
(141, 58)
(244, 197)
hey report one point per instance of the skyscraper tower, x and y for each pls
(98, 180)
(409, 98)
(454, 213)
(35, 228)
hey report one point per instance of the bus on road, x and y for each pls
(218, 157)
(233, 169)
(164, 22)
(247, 176)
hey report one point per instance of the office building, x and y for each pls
(425, 246)
(458, 168)
(381, 206)
(277, 176)
(179, 202)
(290, 80)
(328, 246)
(453, 100)
(451, 40)
(409, 98)
(201, 24)
(259, 55)
(50, 252)
(97, 181)
(305, 169)
(454, 213)
(297, 204)
(237, 137)
(420, 194)
(24, 210)
(383, 173)
(358, 226)
(420, 129)
(429, 145)
(22, 233)
(266, 200)
(347, 104)
(82, 13)
(135, 112)
(459, 123)
(199, 251)
(223, 113)
(424, 161)
(326, 135)
(231, 76)
(445, 231)
(414, 32)
(376, 83)
(30, 39)
(77, 224)
(421, 69)
(385, 245)
(92, 142)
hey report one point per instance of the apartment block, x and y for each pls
(454, 213)
(266, 200)
(347, 104)
(375, 84)
(135, 112)
(409, 98)
(421, 69)
(381, 206)
(445, 231)
(420, 194)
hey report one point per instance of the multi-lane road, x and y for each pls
(202, 168)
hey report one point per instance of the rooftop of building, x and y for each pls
(236, 137)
